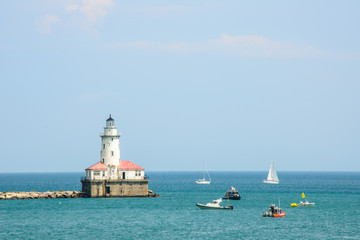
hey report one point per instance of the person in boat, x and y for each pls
(272, 209)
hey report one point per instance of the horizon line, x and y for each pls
(178, 171)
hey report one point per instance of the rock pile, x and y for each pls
(152, 194)
(40, 195)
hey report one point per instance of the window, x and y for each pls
(112, 153)
(103, 160)
(104, 146)
(112, 139)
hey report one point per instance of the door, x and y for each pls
(107, 190)
(123, 175)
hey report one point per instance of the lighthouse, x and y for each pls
(112, 177)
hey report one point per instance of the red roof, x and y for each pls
(127, 165)
(97, 166)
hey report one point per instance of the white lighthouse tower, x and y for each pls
(110, 145)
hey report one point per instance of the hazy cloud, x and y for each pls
(91, 10)
(46, 22)
(244, 46)
(85, 13)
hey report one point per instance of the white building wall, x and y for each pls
(132, 174)
(95, 174)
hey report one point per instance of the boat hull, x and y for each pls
(302, 204)
(270, 182)
(232, 198)
(282, 214)
(307, 205)
(202, 182)
(279, 215)
(202, 206)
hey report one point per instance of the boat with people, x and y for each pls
(272, 175)
(204, 181)
(303, 204)
(232, 194)
(274, 212)
(215, 204)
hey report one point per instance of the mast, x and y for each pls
(204, 169)
(270, 174)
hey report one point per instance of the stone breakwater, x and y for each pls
(40, 195)
(50, 194)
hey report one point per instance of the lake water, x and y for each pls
(174, 214)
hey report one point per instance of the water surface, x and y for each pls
(174, 214)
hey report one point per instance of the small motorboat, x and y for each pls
(274, 212)
(232, 194)
(215, 204)
(303, 204)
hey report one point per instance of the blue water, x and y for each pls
(174, 214)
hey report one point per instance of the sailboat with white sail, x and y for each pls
(272, 176)
(204, 181)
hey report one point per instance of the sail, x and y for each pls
(272, 176)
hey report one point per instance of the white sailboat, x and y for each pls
(272, 176)
(204, 181)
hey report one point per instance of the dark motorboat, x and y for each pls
(232, 194)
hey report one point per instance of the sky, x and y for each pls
(235, 84)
